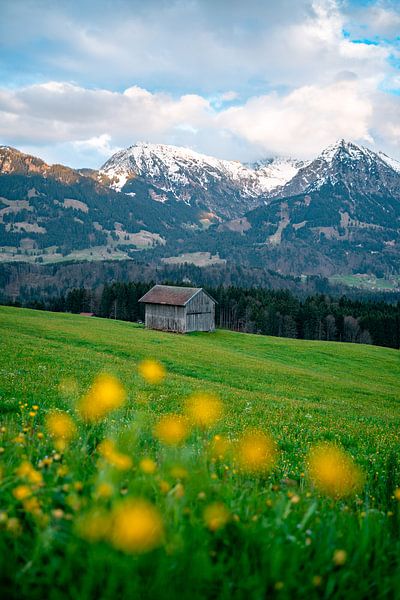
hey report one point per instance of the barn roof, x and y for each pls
(171, 294)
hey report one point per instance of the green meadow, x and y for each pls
(276, 534)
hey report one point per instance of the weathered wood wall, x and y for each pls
(200, 313)
(197, 315)
(165, 317)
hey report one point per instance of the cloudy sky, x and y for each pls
(238, 79)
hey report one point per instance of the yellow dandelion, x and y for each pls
(152, 371)
(397, 494)
(171, 430)
(31, 505)
(106, 394)
(21, 492)
(339, 557)
(27, 471)
(94, 526)
(14, 526)
(178, 491)
(136, 527)
(61, 427)
(104, 490)
(255, 452)
(116, 459)
(203, 410)
(333, 472)
(148, 466)
(179, 472)
(216, 516)
(164, 487)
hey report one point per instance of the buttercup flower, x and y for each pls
(203, 410)
(136, 527)
(171, 430)
(333, 472)
(152, 371)
(106, 394)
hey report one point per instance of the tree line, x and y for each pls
(252, 310)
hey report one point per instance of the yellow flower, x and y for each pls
(14, 526)
(104, 490)
(333, 472)
(178, 472)
(339, 557)
(147, 465)
(116, 459)
(255, 452)
(397, 494)
(61, 427)
(94, 526)
(27, 471)
(105, 395)
(171, 430)
(21, 492)
(31, 505)
(178, 491)
(152, 371)
(136, 527)
(203, 410)
(216, 516)
(62, 471)
(164, 487)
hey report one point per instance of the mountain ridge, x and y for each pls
(339, 212)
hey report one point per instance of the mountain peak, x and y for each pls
(343, 147)
(227, 187)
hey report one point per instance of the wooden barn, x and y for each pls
(179, 309)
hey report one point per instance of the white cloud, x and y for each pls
(304, 121)
(97, 122)
(303, 82)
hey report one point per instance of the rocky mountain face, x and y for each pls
(52, 212)
(220, 188)
(338, 213)
(358, 169)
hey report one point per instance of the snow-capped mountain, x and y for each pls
(359, 169)
(338, 213)
(226, 188)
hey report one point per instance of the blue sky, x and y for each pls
(236, 79)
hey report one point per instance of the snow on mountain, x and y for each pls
(173, 163)
(355, 167)
(392, 162)
(229, 188)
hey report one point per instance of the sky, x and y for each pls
(241, 80)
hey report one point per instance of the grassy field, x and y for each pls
(216, 503)
(368, 282)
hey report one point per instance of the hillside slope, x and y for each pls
(260, 376)
(151, 498)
